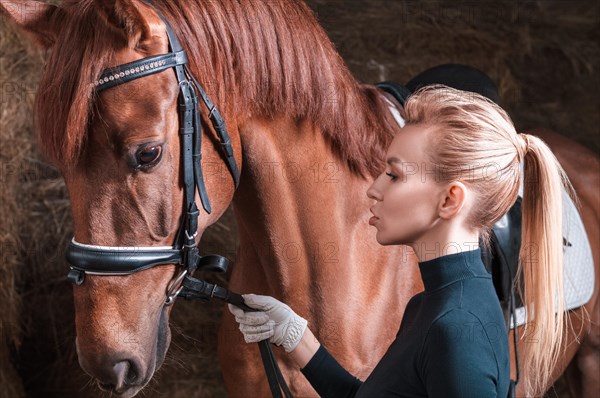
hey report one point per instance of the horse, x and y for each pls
(309, 139)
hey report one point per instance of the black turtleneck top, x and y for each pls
(452, 341)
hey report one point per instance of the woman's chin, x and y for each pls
(386, 240)
(382, 239)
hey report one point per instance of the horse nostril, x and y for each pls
(107, 386)
(125, 373)
(122, 376)
(132, 375)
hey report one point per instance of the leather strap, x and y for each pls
(134, 70)
(118, 261)
(125, 261)
(276, 381)
(196, 289)
(213, 263)
(219, 125)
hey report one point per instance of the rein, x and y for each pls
(125, 260)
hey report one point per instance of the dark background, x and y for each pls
(542, 54)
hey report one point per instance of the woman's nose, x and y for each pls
(372, 192)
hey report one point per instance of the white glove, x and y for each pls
(275, 321)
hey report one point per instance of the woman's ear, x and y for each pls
(453, 199)
(39, 21)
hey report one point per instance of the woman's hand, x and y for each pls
(275, 321)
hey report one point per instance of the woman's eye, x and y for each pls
(392, 177)
(148, 155)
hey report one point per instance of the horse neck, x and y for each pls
(303, 217)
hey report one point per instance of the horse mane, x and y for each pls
(253, 58)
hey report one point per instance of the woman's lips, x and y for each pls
(373, 220)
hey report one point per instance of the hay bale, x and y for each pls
(14, 124)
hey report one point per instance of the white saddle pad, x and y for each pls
(579, 275)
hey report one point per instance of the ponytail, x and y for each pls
(541, 262)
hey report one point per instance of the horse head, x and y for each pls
(122, 154)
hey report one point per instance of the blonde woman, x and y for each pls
(451, 173)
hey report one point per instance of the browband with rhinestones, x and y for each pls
(140, 68)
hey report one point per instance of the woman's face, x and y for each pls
(407, 194)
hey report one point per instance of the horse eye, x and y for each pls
(148, 155)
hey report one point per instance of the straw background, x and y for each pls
(544, 55)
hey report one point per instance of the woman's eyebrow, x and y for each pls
(393, 159)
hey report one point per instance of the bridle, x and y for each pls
(109, 260)
(125, 260)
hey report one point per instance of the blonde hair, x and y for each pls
(471, 135)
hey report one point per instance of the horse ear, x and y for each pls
(127, 16)
(40, 21)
